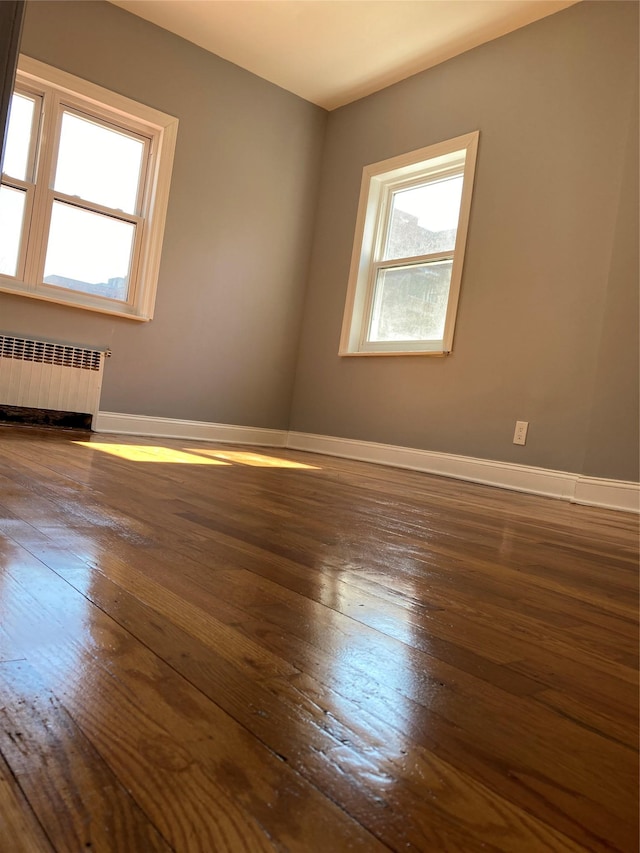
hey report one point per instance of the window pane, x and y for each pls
(424, 219)
(89, 252)
(410, 303)
(18, 144)
(12, 203)
(98, 163)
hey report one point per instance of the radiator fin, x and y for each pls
(50, 353)
(47, 375)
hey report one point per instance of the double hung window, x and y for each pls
(408, 253)
(84, 191)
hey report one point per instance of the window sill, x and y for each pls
(437, 354)
(128, 314)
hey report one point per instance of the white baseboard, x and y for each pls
(523, 478)
(612, 494)
(592, 491)
(112, 422)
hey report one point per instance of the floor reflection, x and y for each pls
(40, 613)
(372, 676)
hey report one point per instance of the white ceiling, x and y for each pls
(332, 52)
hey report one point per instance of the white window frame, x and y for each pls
(379, 182)
(60, 92)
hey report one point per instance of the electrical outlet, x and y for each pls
(520, 435)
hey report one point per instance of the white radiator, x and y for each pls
(45, 375)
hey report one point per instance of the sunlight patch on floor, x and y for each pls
(146, 453)
(197, 456)
(257, 460)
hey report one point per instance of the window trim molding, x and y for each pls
(162, 129)
(378, 182)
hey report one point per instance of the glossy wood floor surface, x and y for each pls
(210, 648)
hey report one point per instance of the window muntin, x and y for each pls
(93, 169)
(407, 259)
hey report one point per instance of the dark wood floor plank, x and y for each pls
(75, 796)
(200, 621)
(483, 716)
(347, 668)
(496, 675)
(597, 716)
(323, 754)
(189, 754)
(408, 660)
(514, 578)
(494, 643)
(604, 693)
(19, 827)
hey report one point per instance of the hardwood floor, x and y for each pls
(215, 648)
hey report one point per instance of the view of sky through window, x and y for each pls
(17, 146)
(86, 249)
(436, 204)
(84, 193)
(11, 217)
(424, 219)
(98, 163)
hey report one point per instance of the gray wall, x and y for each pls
(548, 321)
(614, 445)
(222, 345)
(547, 330)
